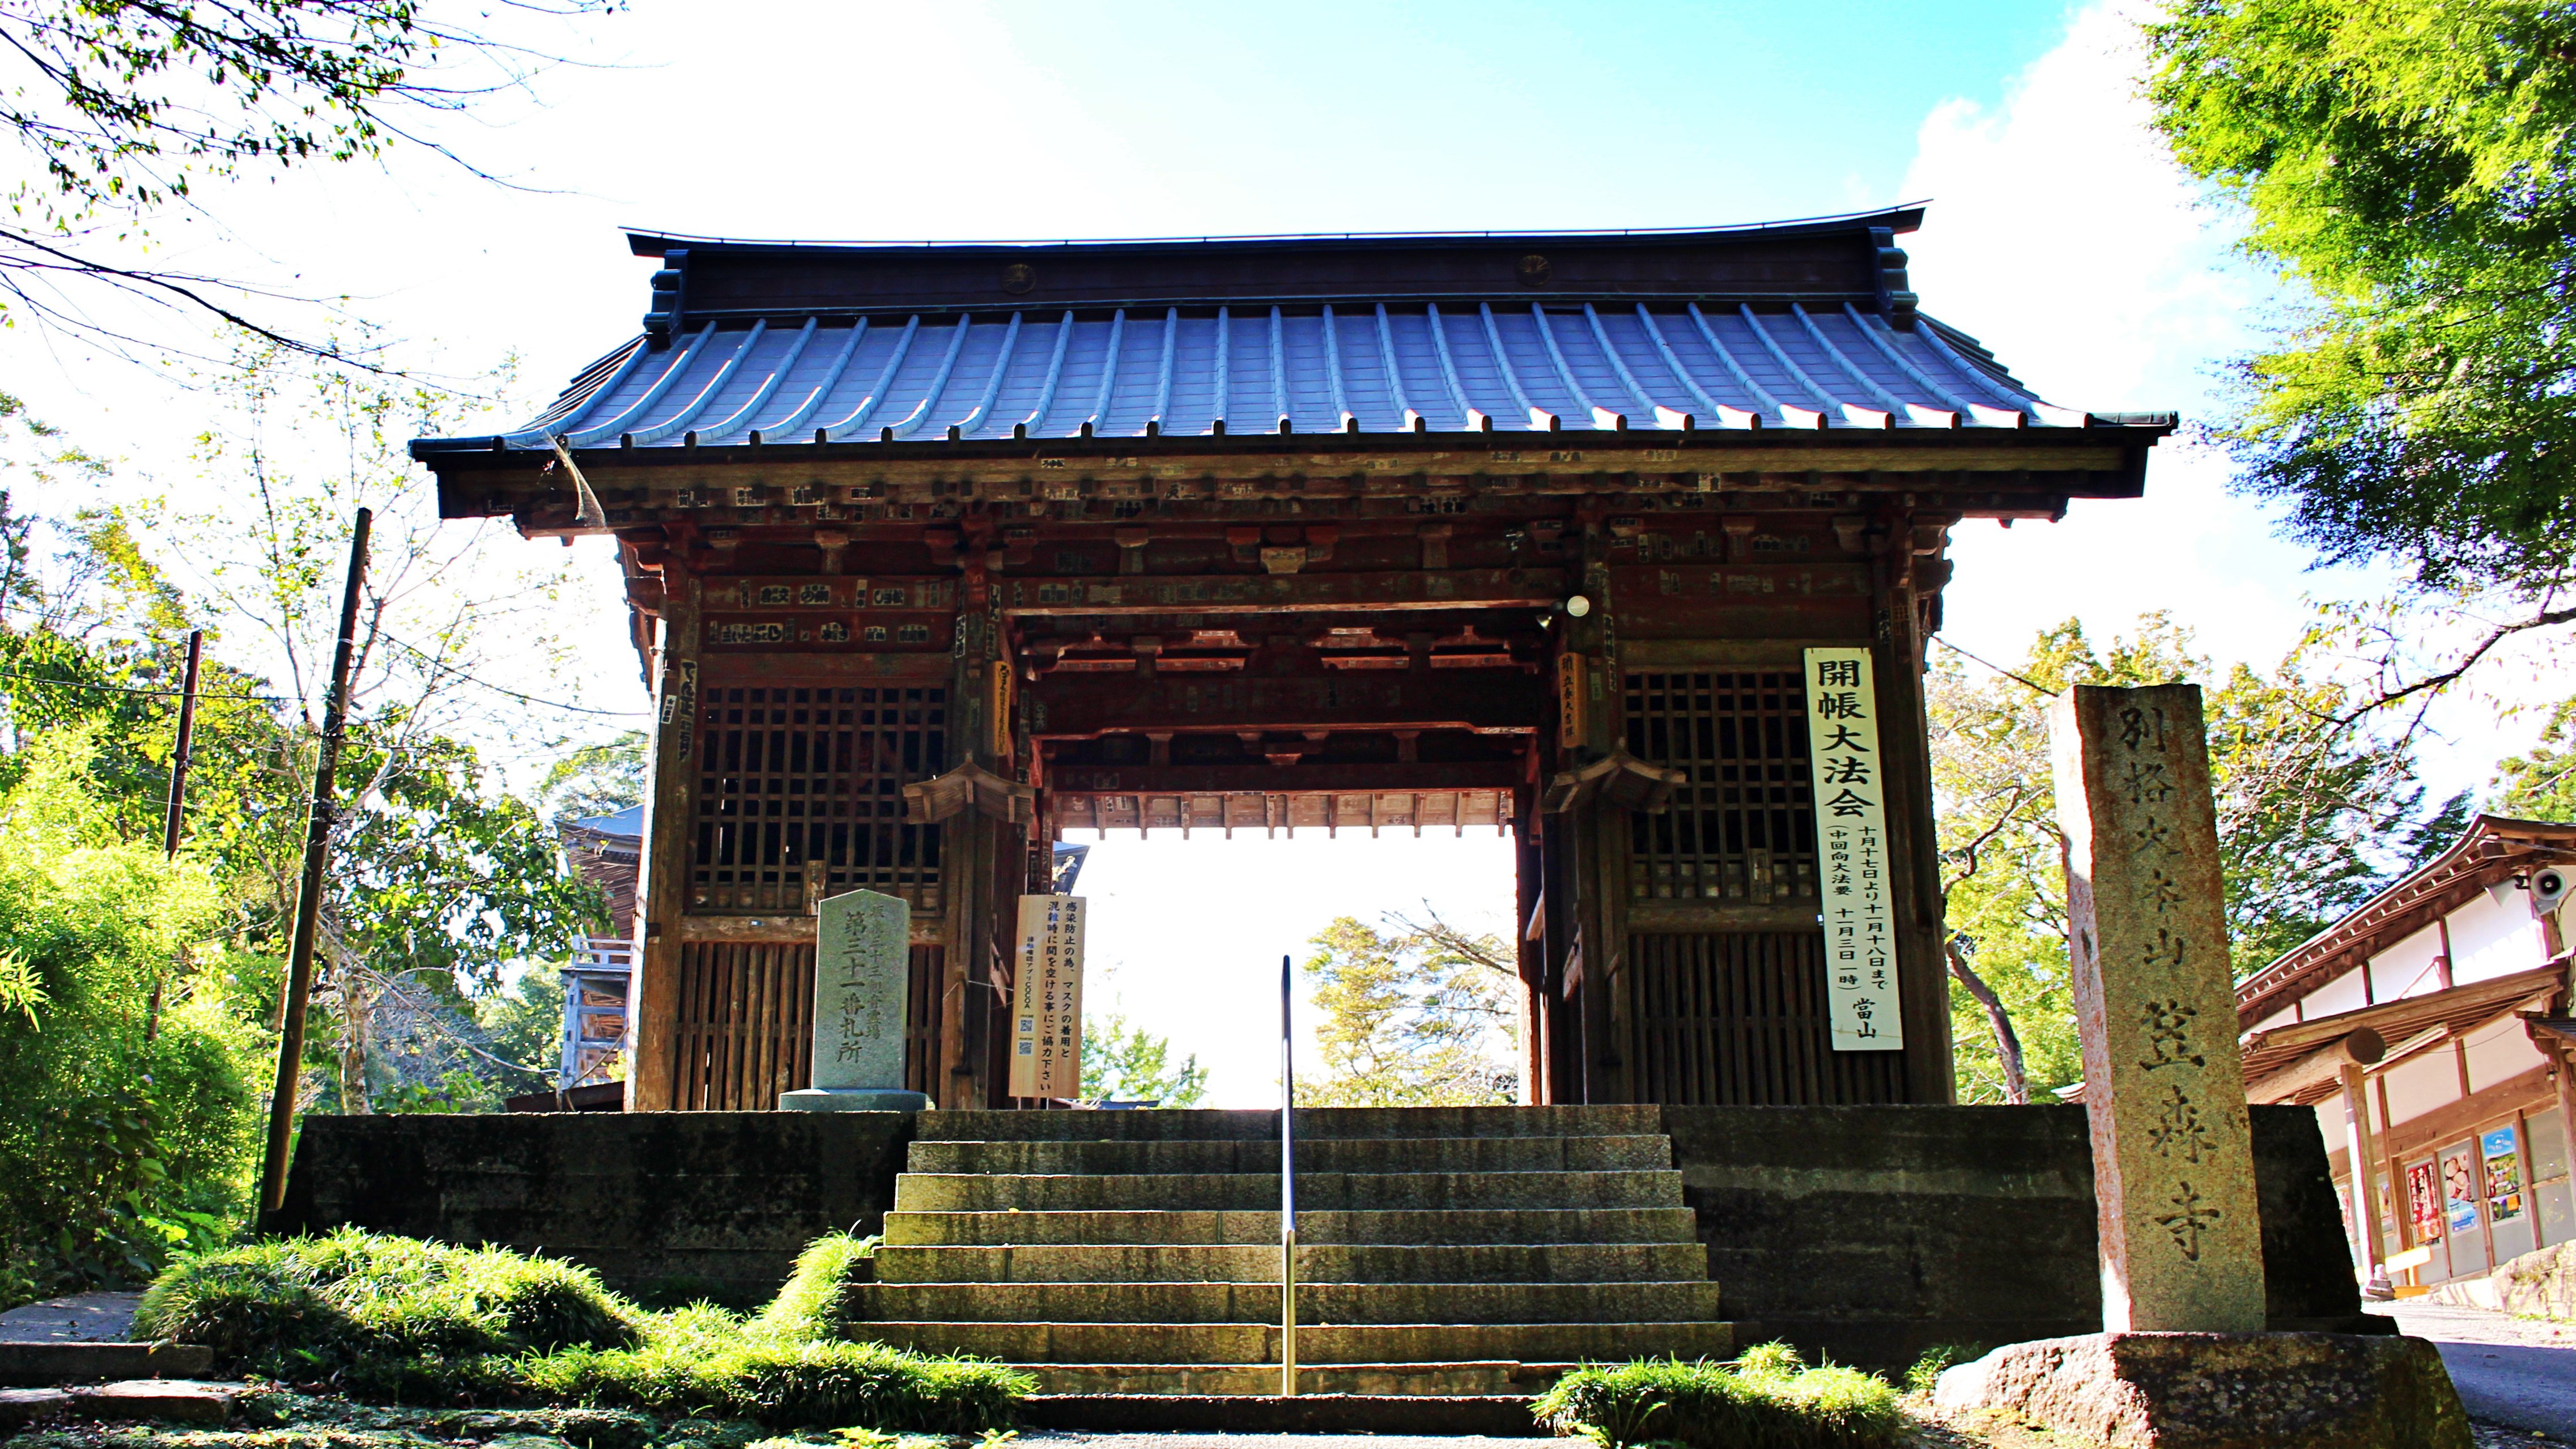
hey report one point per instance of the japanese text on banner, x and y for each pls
(1046, 999)
(1851, 851)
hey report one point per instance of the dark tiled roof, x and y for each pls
(1802, 326)
(1370, 369)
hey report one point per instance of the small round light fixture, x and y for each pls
(1578, 606)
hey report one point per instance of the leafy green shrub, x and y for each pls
(130, 1126)
(1768, 1399)
(817, 1299)
(405, 1320)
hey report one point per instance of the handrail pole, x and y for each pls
(1287, 1195)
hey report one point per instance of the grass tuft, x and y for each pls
(402, 1320)
(1767, 1399)
(817, 1301)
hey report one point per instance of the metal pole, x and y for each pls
(1287, 1195)
(174, 811)
(308, 899)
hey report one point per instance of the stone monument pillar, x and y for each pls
(2164, 1084)
(862, 1002)
(2183, 1359)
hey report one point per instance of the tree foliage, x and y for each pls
(122, 109)
(1413, 1015)
(2408, 163)
(1123, 1062)
(138, 994)
(2313, 817)
(2540, 784)
(128, 1130)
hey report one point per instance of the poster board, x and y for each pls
(1046, 998)
(1851, 851)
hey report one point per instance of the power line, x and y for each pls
(1997, 668)
(456, 673)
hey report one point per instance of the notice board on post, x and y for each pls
(1046, 999)
(1851, 851)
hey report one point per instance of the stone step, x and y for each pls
(1078, 1192)
(1323, 1303)
(1258, 1343)
(1245, 1380)
(1327, 1154)
(1250, 1228)
(1104, 1262)
(1444, 1416)
(69, 1361)
(1312, 1122)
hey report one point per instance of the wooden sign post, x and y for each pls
(1046, 1000)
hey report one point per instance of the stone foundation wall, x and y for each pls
(684, 1204)
(1872, 1233)
(1865, 1232)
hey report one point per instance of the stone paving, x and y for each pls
(2515, 1372)
(81, 1318)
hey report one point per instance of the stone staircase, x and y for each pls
(1465, 1252)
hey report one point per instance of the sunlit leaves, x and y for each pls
(2413, 164)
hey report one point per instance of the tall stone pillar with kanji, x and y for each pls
(2164, 1085)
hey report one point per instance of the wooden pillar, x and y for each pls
(1531, 956)
(653, 1008)
(2565, 1060)
(1897, 662)
(2363, 1152)
(1600, 842)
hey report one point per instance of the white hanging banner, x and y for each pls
(1046, 999)
(1851, 851)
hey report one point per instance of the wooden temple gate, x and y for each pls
(937, 552)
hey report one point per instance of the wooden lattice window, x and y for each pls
(1742, 828)
(746, 1025)
(1740, 1020)
(800, 795)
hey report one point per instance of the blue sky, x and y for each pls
(2057, 232)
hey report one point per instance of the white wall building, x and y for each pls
(2430, 1030)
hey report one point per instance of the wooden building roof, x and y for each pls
(2493, 848)
(1804, 327)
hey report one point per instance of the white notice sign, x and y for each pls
(1046, 1005)
(1851, 849)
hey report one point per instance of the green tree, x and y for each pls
(1414, 1015)
(2541, 785)
(1123, 1062)
(2313, 817)
(602, 778)
(2406, 165)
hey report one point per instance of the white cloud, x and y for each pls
(2064, 237)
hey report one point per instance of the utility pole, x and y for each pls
(176, 809)
(179, 756)
(308, 899)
